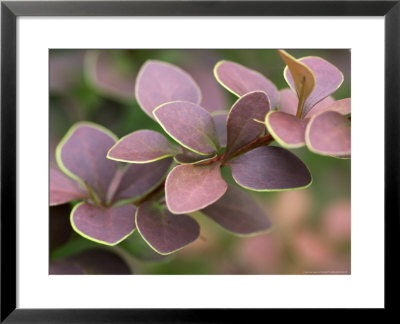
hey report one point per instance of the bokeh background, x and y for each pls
(311, 233)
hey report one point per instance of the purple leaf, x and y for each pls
(327, 80)
(108, 76)
(329, 133)
(103, 225)
(140, 179)
(189, 188)
(142, 146)
(241, 80)
(59, 226)
(342, 107)
(159, 82)
(190, 125)
(220, 118)
(270, 168)
(242, 129)
(163, 231)
(82, 152)
(100, 262)
(287, 130)
(238, 213)
(64, 189)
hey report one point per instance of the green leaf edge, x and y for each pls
(191, 211)
(312, 149)
(219, 112)
(151, 115)
(66, 138)
(197, 162)
(138, 162)
(91, 238)
(215, 146)
(137, 210)
(279, 140)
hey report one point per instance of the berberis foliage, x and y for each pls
(152, 183)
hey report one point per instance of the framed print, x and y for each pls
(197, 159)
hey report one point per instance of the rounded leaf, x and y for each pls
(328, 79)
(81, 154)
(238, 213)
(190, 125)
(107, 226)
(241, 80)
(287, 130)
(329, 133)
(159, 82)
(189, 188)
(163, 231)
(142, 146)
(270, 168)
(242, 128)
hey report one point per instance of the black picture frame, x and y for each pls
(11, 10)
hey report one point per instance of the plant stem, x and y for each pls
(261, 141)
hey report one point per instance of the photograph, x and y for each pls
(199, 161)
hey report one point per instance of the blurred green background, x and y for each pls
(311, 231)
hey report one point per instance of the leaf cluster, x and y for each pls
(152, 183)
